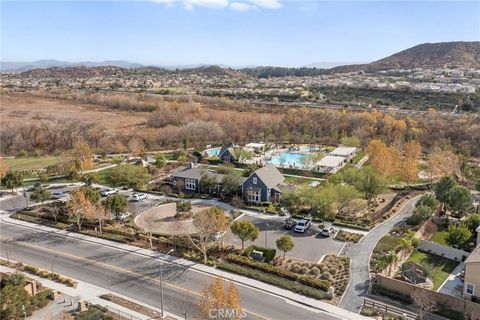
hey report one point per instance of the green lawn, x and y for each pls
(439, 237)
(31, 163)
(299, 180)
(438, 268)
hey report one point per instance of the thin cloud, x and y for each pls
(245, 5)
(241, 6)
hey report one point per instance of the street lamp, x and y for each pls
(26, 197)
(266, 233)
(161, 281)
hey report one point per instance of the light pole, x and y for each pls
(266, 234)
(26, 197)
(161, 282)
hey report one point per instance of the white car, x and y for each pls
(59, 195)
(124, 215)
(327, 231)
(108, 192)
(303, 225)
(139, 196)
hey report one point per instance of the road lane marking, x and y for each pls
(109, 266)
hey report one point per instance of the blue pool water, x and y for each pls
(288, 159)
(213, 152)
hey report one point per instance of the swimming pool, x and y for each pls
(213, 152)
(289, 159)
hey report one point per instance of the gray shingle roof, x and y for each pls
(270, 175)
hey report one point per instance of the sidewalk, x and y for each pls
(90, 293)
(254, 284)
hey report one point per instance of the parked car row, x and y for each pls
(303, 225)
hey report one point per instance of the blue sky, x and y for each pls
(237, 33)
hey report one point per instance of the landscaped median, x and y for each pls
(39, 272)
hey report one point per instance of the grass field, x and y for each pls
(31, 163)
(439, 237)
(300, 181)
(438, 268)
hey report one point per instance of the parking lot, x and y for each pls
(309, 246)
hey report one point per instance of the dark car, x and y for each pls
(289, 223)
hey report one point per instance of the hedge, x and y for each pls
(268, 253)
(274, 280)
(323, 285)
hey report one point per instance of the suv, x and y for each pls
(289, 223)
(139, 196)
(108, 192)
(327, 231)
(303, 225)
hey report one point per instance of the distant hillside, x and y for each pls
(88, 72)
(44, 64)
(425, 56)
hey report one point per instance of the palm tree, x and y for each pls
(391, 258)
(406, 245)
(16, 279)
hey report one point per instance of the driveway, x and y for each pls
(360, 253)
(309, 246)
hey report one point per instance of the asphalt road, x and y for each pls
(134, 275)
(19, 201)
(309, 246)
(360, 253)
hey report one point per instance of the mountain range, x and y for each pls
(427, 56)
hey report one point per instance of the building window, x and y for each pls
(190, 184)
(253, 196)
(470, 289)
(254, 180)
(174, 183)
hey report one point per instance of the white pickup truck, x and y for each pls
(303, 225)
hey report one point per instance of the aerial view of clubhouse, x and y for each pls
(266, 183)
(303, 157)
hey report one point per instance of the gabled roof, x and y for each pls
(270, 175)
(224, 149)
(474, 256)
(196, 173)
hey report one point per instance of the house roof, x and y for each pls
(343, 151)
(330, 161)
(228, 148)
(270, 175)
(196, 173)
(474, 256)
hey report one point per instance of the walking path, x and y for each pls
(288, 295)
(360, 254)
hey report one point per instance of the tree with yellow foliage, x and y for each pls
(79, 207)
(381, 157)
(80, 158)
(220, 302)
(3, 168)
(409, 165)
(443, 163)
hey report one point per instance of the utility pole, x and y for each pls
(161, 283)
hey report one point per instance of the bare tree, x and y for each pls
(208, 224)
(148, 226)
(186, 307)
(424, 301)
(54, 210)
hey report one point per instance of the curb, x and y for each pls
(108, 244)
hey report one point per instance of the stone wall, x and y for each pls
(443, 251)
(405, 288)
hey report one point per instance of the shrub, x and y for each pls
(271, 269)
(268, 253)
(369, 312)
(274, 280)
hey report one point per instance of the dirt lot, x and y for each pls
(18, 110)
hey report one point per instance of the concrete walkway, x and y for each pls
(453, 285)
(268, 289)
(360, 254)
(86, 292)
